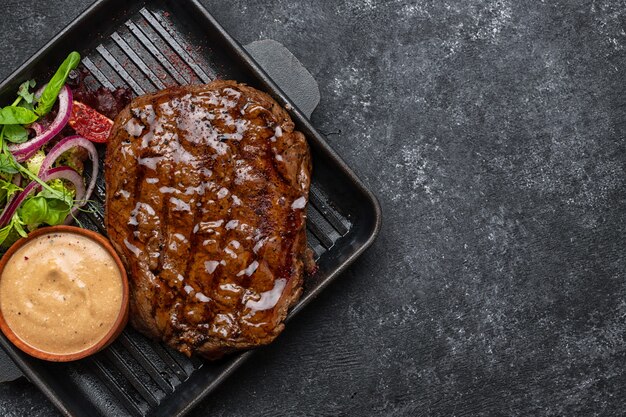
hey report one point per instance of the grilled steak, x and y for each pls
(206, 195)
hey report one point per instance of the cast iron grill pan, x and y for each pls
(146, 47)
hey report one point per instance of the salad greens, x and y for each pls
(24, 91)
(15, 115)
(41, 209)
(34, 162)
(54, 202)
(51, 92)
(7, 164)
(7, 190)
(16, 133)
(12, 231)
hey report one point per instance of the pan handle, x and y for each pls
(287, 72)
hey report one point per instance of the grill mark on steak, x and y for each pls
(217, 249)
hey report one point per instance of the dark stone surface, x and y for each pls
(493, 133)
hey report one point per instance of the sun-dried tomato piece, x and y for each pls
(89, 123)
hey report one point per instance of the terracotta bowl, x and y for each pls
(119, 323)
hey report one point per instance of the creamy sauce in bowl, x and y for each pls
(61, 292)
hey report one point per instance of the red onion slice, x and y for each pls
(65, 145)
(65, 173)
(37, 127)
(25, 150)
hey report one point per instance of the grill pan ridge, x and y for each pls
(146, 46)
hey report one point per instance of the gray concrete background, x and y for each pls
(493, 133)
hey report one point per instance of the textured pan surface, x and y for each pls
(146, 48)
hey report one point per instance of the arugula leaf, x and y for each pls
(15, 115)
(7, 164)
(15, 133)
(24, 92)
(51, 92)
(18, 224)
(7, 189)
(12, 231)
(5, 231)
